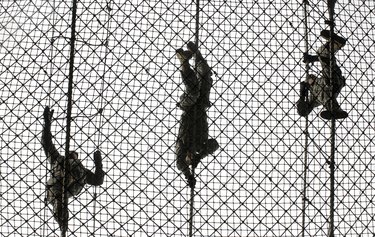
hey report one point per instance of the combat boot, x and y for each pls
(334, 114)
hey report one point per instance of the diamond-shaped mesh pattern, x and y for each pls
(126, 87)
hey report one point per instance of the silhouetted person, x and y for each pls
(193, 143)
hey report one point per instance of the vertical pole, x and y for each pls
(331, 6)
(69, 107)
(192, 170)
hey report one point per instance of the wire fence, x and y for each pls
(126, 84)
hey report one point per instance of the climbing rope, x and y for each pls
(101, 102)
(69, 107)
(192, 191)
(330, 22)
(50, 72)
(331, 159)
(306, 132)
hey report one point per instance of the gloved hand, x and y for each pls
(48, 114)
(97, 158)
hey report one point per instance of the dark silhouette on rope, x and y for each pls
(68, 176)
(193, 143)
(324, 90)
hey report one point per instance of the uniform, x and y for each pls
(193, 143)
(324, 90)
(68, 176)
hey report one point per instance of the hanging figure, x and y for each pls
(74, 174)
(193, 143)
(323, 90)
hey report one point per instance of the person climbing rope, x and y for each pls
(69, 176)
(324, 90)
(193, 143)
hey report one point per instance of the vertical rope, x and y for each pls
(306, 132)
(192, 192)
(100, 112)
(70, 100)
(332, 179)
(197, 23)
(70, 78)
(331, 4)
(52, 41)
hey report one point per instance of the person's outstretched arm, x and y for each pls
(48, 146)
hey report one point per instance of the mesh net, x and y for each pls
(126, 87)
